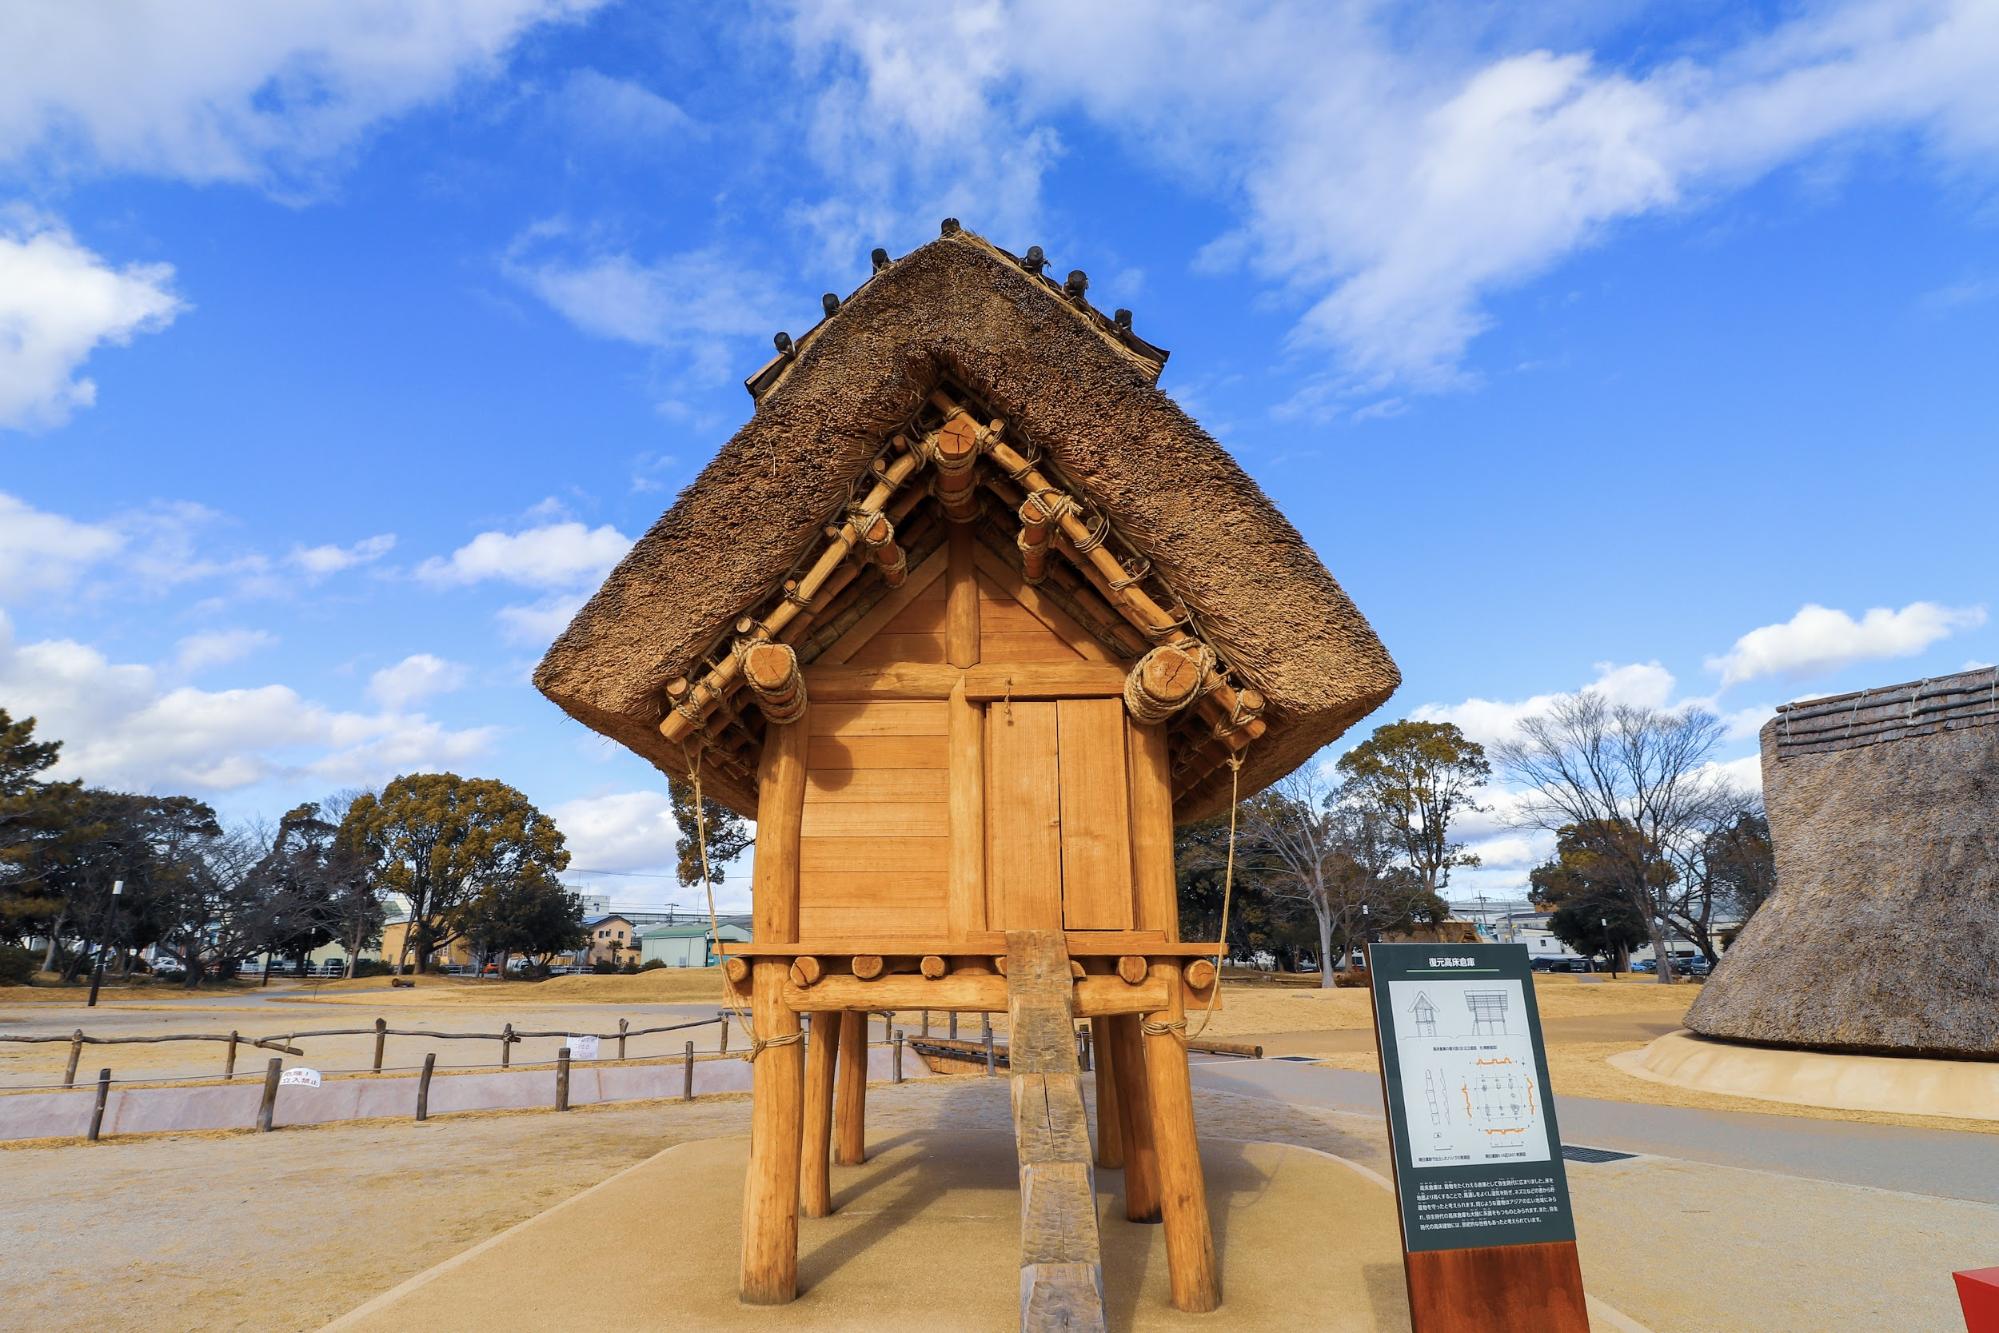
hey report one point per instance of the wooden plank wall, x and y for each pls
(875, 845)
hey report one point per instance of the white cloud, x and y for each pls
(418, 676)
(1819, 639)
(120, 728)
(539, 622)
(235, 91)
(219, 647)
(319, 561)
(1489, 721)
(626, 831)
(1392, 176)
(59, 302)
(42, 552)
(554, 555)
(688, 303)
(620, 111)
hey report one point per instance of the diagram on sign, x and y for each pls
(1469, 1080)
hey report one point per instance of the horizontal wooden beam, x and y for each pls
(1081, 943)
(1094, 995)
(1045, 680)
(906, 680)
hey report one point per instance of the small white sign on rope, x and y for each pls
(299, 1078)
(583, 1048)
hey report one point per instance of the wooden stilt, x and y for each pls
(815, 1191)
(1135, 1123)
(770, 1196)
(850, 1101)
(1183, 1193)
(1110, 1141)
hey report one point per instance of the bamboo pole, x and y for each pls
(1183, 1193)
(822, 1059)
(721, 678)
(850, 1100)
(770, 1195)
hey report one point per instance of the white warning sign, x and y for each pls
(300, 1077)
(582, 1048)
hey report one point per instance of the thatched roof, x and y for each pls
(1883, 932)
(962, 316)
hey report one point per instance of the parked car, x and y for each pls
(1570, 965)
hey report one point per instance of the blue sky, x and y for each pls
(1637, 347)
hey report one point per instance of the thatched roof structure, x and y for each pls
(1883, 933)
(1056, 400)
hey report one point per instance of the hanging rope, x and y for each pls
(1228, 891)
(757, 1044)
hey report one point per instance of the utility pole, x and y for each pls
(97, 963)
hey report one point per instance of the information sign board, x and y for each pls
(1478, 1159)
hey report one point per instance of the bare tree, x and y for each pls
(1591, 764)
(1312, 842)
(1712, 864)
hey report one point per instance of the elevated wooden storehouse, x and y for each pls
(1883, 933)
(966, 617)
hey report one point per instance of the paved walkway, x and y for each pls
(1941, 1163)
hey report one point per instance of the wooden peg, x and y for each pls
(933, 967)
(1132, 969)
(807, 971)
(868, 966)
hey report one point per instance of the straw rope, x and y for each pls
(757, 1044)
(1228, 890)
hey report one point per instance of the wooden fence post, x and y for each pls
(722, 1019)
(229, 1057)
(562, 1079)
(926, 1022)
(898, 1055)
(986, 1022)
(75, 1054)
(622, 1024)
(423, 1086)
(97, 1111)
(381, 1039)
(954, 1025)
(268, 1107)
(507, 1047)
(687, 1076)
(1083, 1047)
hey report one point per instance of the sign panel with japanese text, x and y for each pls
(1478, 1159)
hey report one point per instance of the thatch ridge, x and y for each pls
(956, 311)
(1883, 933)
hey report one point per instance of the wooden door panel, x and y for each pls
(1096, 815)
(1023, 818)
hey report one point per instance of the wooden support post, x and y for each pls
(1110, 1141)
(75, 1054)
(926, 1022)
(229, 1056)
(722, 1021)
(1183, 1193)
(986, 1036)
(897, 1074)
(687, 1076)
(770, 1195)
(1134, 1117)
(562, 1079)
(268, 1107)
(625, 1023)
(97, 1109)
(381, 1039)
(822, 1057)
(423, 1085)
(507, 1046)
(953, 1033)
(850, 1103)
(1083, 1047)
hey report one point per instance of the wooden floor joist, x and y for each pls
(1061, 1264)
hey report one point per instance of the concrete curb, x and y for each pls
(234, 1105)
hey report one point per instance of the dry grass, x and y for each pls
(670, 985)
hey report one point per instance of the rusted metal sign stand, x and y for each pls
(1489, 1245)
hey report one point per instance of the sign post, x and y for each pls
(1489, 1243)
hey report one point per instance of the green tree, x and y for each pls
(1744, 864)
(437, 839)
(1420, 776)
(529, 914)
(729, 834)
(33, 813)
(1580, 884)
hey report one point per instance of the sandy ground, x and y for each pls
(299, 1226)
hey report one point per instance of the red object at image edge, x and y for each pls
(1978, 1293)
